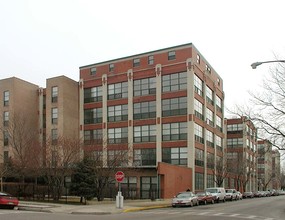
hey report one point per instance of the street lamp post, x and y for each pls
(254, 65)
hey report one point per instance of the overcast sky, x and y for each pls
(40, 39)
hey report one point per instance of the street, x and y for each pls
(268, 208)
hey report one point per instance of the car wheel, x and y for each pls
(191, 204)
(205, 202)
(224, 200)
(213, 201)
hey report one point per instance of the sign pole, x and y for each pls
(119, 176)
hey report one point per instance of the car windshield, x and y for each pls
(184, 195)
(212, 190)
(201, 194)
(4, 194)
(229, 190)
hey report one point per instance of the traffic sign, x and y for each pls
(119, 176)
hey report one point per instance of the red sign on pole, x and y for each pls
(119, 176)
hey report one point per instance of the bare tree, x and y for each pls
(267, 108)
(61, 156)
(21, 137)
(105, 167)
(219, 169)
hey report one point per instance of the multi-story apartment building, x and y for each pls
(241, 154)
(264, 165)
(164, 109)
(18, 112)
(59, 112)
(37, 115)
(276, 169)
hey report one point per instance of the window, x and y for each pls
(174, 131)
(234, 142)
(198, 58)
(6, 138)
(199, 134)
(93, 136)
(148, 187)
(117, 135)
(117, 158)
(208, 69)
(210, 181)
(219, 104)
(144, 110)
(6, 118)
(175, 106)
(111, 67)
(235, 128)
(150, 60)
(54, 115)
(6, 98)
(219, 145)
(209, 117)
(54, 94)
(118, 113)
(209, 138)
(145, 86)
(219, 123)
(93, 116)
(129, 186)
(199, 157)
(145, 157)
(93, 94)
(136, 62)
(93, 71)
(54, 136)
(210, 160)
(6, 156)
(146, 133)
(199, 109)
(174, 82)
(209, 95)
(171, 55)
(199, 181)
(198, 85)
(175, 155)
(118, 90)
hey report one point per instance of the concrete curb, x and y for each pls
(145, 208)
(91, 213)
(34, 209)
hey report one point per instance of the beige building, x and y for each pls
(241, 154)
(47, 113)
(265, 165)
(276, 168)
(18, 111)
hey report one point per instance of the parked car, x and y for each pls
(231, 194)
(205, 197)
(7, 200)
(266, 193)
(185, 199)
(258, 194)
(239, 195)
(219, 193)
(248, 195)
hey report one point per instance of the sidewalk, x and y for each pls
(96, 208)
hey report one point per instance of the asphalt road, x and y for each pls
(271, 208)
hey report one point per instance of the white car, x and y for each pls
(239, 195)
(185, 199)
(218, 192)
(231, 194)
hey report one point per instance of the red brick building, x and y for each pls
(164, 110)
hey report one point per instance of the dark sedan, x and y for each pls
(205, 197)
